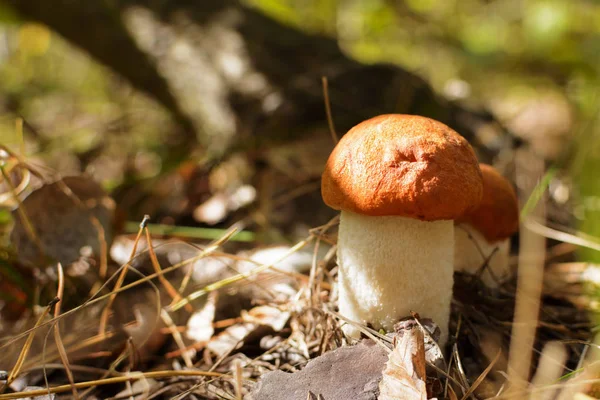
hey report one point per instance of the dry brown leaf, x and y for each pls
(254, 320)
(64, 216)
(404, 375)
(267, 315)
(139, 390)
(230, 338)
(348, 373)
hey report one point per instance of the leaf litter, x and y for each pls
(224, 324)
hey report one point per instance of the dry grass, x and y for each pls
(289, 331)
(314, 328)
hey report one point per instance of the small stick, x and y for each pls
(529, 288)
(334, 136)
(58, 340)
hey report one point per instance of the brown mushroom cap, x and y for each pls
(497, 216)
(403, 165)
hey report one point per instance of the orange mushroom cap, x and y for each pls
(403, 165)
(497, 216)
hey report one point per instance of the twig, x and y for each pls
(120, 279)
(209, 250)
(237, 375)
(109, 381)
(22, 213)
(156, 265)
(21, 359)
(541, 229)
(334, 136)
(527, 302)
(177, 337)
(59, 344)
(481, 377)
(238, 277)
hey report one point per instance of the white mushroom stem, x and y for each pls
(472, 250)
(390, 266)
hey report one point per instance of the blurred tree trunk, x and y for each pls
(235, 78)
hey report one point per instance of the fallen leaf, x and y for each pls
(66, 216)
(349, 372)
(404, 375)
(200, 325)
(267, 315)
(139, 389)
(230, 338)
(255, 321)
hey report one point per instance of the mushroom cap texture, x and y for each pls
(497, 216)
(403, 165)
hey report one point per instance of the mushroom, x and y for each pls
(483, 235)
(399, 181)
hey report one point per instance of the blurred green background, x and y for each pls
(533, 63)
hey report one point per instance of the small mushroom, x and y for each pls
(483, 235)
(399, 181)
